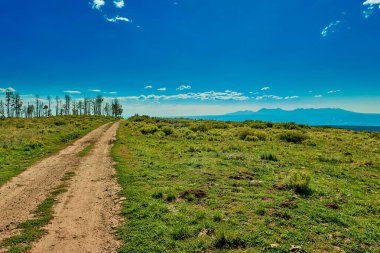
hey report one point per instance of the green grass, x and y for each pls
(86, 150)
(31, 230)
(25, 141)
(204, 186)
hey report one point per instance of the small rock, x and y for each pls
(295, 248)
(274, 245)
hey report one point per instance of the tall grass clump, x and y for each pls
(292, 137)
(299, 181)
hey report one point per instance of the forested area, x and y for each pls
(13, 106)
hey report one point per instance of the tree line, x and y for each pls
(13, 106)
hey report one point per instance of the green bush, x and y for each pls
(299, 181)
(199, 128)
(293, 137)
(167, 130)
(181, 232)
(269, 157)
(149, 130)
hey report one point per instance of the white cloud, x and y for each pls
(98, 4)
(371, 2)
(291, 97)
(184, 87)
(3, 90)
(333, 91)
(265, 88)
(119, 3)
(331, 28)
(209, 95)
(161, 89)
(72, 91)
(318, 96)
(95, 90)
(269, 96)
(148, 87)
(117, 19)
(112, 92)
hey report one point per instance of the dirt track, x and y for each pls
(86, 215)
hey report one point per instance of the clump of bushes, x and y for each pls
(299, 181)
(293, 137)
(199, 128)
(167, 130)
(149, 130)
(269, 157)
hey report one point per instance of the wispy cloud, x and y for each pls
(331, 28)
(72, 91)
(291, 97)
(119, 3)
(161, 89)
(95, 90)
(269, 96)
(148, 87)
(265, 88)
(333, 91)
(204, 96)
(318, 96)
(275, 97)
(184, 87)
(117, 19)
(371, 2)
(98, 4)
(3, 90)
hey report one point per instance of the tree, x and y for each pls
(49, 113)
(9, 102)
(57, 105)
(67, 104)
(17, 105)
(30, 110)
(37, 111)
(117, 108)
(2, 110)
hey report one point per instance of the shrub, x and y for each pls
(181, 232)
(299, 181)
(149, 130)
(158, 195)
(269, 157)
(251, 138)
(293, 137)
(35, 143)
(170, 197)
(167, 130)
(199, 128)
(243, 133)
(229, 241)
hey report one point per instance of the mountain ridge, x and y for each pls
(309, 116)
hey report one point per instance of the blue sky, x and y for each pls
(194, 57)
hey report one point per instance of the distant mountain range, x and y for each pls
(314, 117)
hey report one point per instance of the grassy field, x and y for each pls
(203, 186)
(25, 141)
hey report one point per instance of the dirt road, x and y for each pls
(86, 215)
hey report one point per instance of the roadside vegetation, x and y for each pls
(206, 186)
(25, 141)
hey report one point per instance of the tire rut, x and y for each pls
(22, 194)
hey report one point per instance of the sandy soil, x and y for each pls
(85, 216)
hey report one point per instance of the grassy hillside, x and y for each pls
(203, 186)
(24, 141)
